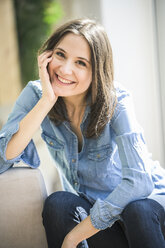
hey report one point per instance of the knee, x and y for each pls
(140, 209)
(53, 205)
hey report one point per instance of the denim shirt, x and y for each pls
(111, 170)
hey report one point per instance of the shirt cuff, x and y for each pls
(101, 216)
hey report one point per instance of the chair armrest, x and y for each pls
(22, 194)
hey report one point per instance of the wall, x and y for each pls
(80, 9)
(160, 17)
(10, 84)
(132, 32)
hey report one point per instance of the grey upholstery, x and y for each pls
(22, 194)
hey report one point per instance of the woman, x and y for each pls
(114, 194)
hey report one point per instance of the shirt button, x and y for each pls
(73, 160)
(76, 183)
(51, 143)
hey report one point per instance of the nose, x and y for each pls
(66, 68)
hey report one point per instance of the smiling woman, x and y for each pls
(114, 194)
(92, 52)
(71, 67)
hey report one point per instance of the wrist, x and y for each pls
(44, 107)
(47, 103)
(70, 238)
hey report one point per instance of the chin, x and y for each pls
(60, 92)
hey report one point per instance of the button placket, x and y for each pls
(51, 143)
(98, 155)
(73, 160)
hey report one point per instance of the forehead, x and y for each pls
(76, 44)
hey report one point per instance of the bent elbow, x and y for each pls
(141, 185)
(145, 186)
(8, 154)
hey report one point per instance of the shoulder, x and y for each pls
(121, 91)
(124, 119)
(124, 100)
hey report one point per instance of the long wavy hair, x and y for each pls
(101, 90)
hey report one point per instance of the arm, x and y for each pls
(136, 181)
(27, 127)
(81, 232)
(30, 123)
(25, 102)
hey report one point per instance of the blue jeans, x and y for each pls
(142, 226)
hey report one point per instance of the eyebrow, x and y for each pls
(59, 48)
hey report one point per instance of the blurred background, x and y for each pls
(137, 35)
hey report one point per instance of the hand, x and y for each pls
(68, 243)
(47, 91)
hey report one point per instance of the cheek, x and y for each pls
(52, 65)
(89, 78)
(49, 67)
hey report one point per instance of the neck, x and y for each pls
(75, 103)
(75, 108)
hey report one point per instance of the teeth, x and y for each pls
(64, 80)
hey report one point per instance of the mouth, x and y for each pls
(64, 81)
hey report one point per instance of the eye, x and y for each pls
(80, 62)
(60, 54)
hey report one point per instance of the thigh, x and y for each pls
(63, 211)
(144, 220)
(65, 208)
(113, 237)
(161, 200)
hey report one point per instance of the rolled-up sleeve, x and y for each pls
(25, 102)
(136, 180)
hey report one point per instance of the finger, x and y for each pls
(44, 63)
(44, 55)
(46, 52)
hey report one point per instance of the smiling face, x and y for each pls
(70, 70)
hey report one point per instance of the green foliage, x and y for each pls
(35, 19)
(52, 13)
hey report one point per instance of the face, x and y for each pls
(70, 69)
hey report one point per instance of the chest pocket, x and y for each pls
(56, 149)
(101, 168)
(52, 142)
(100, 154)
